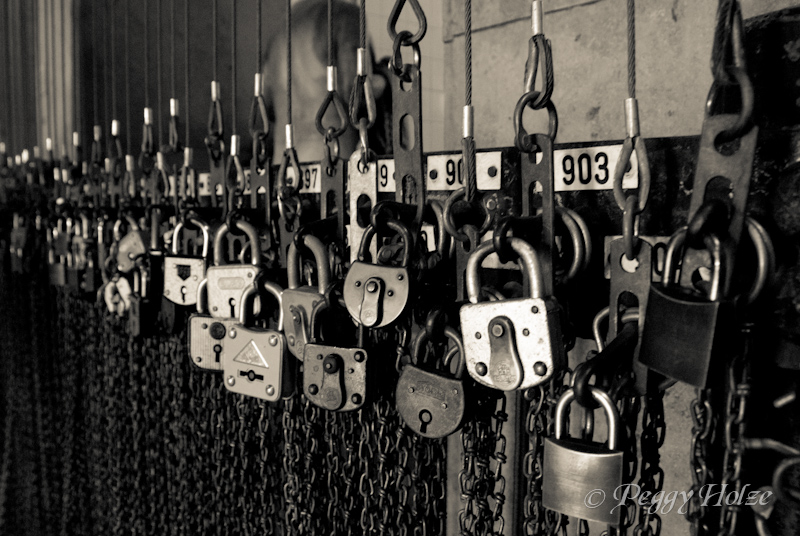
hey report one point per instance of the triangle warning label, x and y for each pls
(251, 355)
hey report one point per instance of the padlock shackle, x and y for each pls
(528, 259)
(398, 228)
(197, 222)
(602, 398)
(320, 252)
(457, 350)
(249, 296)
(719, 280)
(248, 299)
(312, 321)
(202, 296)
(252, 235)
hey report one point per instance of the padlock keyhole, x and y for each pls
(425, 418)
(232, 303)
(217, 352)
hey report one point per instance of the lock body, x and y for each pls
(130, 247)
(431, 404)
(684, 336)
(208, 338)
(512, 344)
(226, 285)
(335, 378)
(254, 363)
(376, 295)
(572, 470)
(182, 276)
(297, 304)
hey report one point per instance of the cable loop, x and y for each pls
(362, 102)
(522, 139)
(235, 178)
(289, 160)
(174, 141)
(216, 147)
(539, 53)
(396, 63)
(394, 16)
(643, 164)
(146, 160)
(333, 98)
(367, 154)
(258, 112)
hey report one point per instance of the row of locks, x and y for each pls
(441, 279)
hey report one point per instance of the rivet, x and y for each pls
(198, 359)
(455, 391)
(356, 398)
(313, 389)
(444, 406)
(359, 357)
(319, 356)
(358, 283)
(215, 308)
(535, 310)
(481, 369)
(232, 333)
(270, 390)
(291, 340)
(390, 293)
(372, 286)
(273, 340)
(497, 330)
(478, 335)
(410, 389)
(231, 381)
(400, 277)
(351, 371)
(204, 326)
(526, 332)
(249, 275)
(166, 292)
(540, 368)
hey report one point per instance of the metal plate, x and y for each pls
(344, 390)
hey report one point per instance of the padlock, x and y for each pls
(376, 295)
(130, 247)
(228, 282)
(254, 362)
(140, 308)
(573, 470)
(334, 377)
(56, 264)
(432, 403)
(207, 334)
(511, 344)
(687, 334)
(298, 301)
(182, 277)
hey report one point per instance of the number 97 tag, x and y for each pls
(591, 168)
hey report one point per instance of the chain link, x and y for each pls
(702, 426)
(652, 475)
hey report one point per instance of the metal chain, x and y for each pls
(702, 425)
(738, 392)
(498, 488)
(333, 466)
(652, 475)
(310, 517)
(291, 464)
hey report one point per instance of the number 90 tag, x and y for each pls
(591, 168)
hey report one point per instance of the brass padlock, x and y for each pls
(182, 276)
(687, 334)
(334, 377)
(573, 470)
(254, 362)
(432, 403)
(376, 295)
(511, 344)
(298, 301)
(228, 282)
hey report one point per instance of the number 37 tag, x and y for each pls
(591, 168)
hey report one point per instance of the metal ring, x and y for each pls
(629, 233)
(449, 223)
(577, 244)
(630, 315)
(587, 236)
(396, 62)
(521, 136)
(766, 258)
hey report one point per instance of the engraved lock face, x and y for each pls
(297, 305)
(131, 246)
(376, 295)
(226, 284)
(684, 337)
(182, 276)
(335, 378)
(512, 344)
(253, 363)
(209, 338)
(431, 404)
(574, 469)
